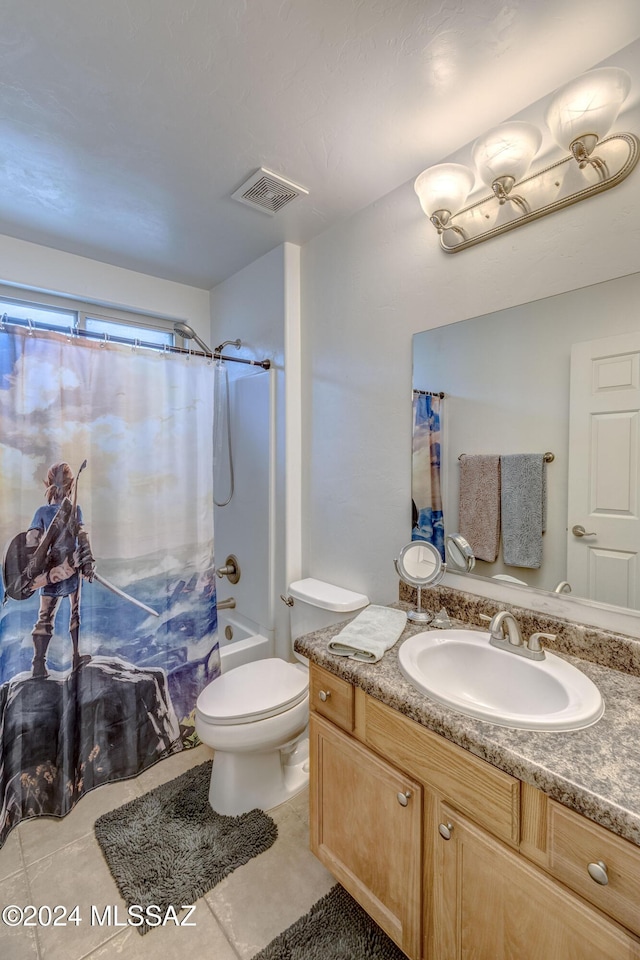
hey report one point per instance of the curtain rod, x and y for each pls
(430, 393)
(33, 326)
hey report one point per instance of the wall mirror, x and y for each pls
(559, 375)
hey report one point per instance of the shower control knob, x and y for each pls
(324, 695)
(231, 569)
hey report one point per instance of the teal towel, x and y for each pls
(369, 635)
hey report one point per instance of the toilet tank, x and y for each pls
(317, 604)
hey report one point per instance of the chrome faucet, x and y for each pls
(563, 587)
(228, 604)
(505, 634)
(504, 628)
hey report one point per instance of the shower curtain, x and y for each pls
(108, 627)
(427, 520)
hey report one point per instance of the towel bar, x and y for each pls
(548, 457)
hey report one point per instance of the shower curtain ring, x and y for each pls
(30, 322)
(103, 343)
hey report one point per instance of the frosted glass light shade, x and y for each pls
(506, 151)
(444, 187)
(587, 105)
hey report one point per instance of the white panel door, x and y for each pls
(604, 442)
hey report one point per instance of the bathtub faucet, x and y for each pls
(228, 604)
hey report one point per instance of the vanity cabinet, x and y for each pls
(366, 821)
(601, 867)
(490, 903)
(453, 858)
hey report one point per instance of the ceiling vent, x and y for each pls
(267, 191)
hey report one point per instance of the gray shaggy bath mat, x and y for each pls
(335, 928)
(168, 847)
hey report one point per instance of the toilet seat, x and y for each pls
(253, 691)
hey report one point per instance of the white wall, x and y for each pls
(367, 286)
(31, 266)
(260, 304)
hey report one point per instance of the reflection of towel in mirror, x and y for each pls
(479, 510)
(524, 507)
(369, 635)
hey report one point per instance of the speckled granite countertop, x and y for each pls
(595, 771)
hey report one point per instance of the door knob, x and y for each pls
(445, 830)
(579, 531)
(403, 798)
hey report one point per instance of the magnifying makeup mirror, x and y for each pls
(459, 553)
(420, 565)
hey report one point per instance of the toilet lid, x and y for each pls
(253, 691)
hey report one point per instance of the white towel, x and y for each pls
(369, 635)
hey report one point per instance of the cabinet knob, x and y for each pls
(324, 695)
(403, 798)
(598, 872)
(445, 830)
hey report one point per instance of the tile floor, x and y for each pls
(49, 862)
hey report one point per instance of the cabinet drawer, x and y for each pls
(474, 787)
(574, 842)
(331, 696)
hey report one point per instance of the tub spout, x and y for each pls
(228, 604)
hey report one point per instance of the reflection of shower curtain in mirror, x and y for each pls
(93, 686)
(428, 520)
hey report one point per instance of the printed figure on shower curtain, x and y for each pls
(67, 560)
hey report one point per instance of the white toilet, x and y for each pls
(255, 716)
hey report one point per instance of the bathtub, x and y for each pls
(246, 643)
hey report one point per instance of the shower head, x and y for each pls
(187, 333)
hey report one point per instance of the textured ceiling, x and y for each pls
(126, 126)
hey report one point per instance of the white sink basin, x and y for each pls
(460, 669)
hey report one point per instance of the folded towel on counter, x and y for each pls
(369, 635)
(479, 504)
(524, 508)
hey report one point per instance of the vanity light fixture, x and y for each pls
(579, 118)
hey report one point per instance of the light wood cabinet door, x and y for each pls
(491, 904)
(366, 827)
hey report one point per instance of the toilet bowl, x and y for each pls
(255, 716)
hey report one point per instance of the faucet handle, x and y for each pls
(484, 616)
(534, 644)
